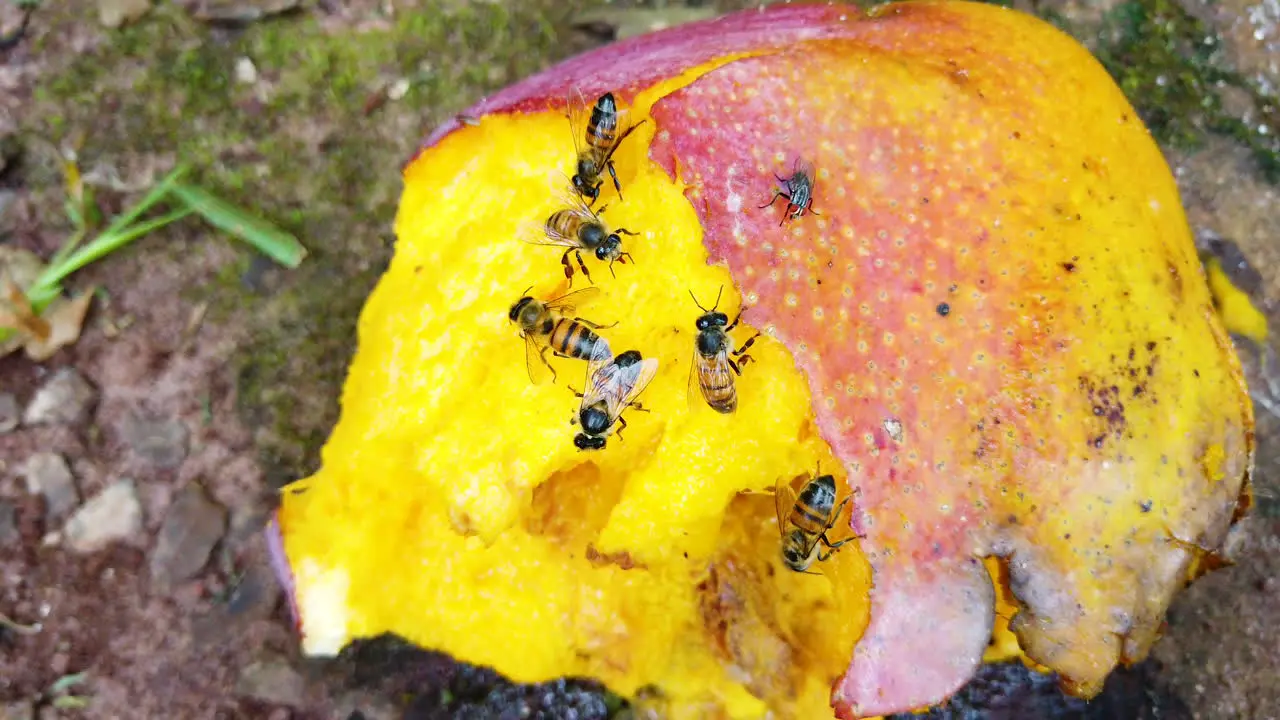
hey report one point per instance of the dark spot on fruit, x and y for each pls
(1097, 441)
(1145, 506)
(952, 288)
(1069, 266)
(417, 269)
(1196, 373)
(1151, 346)
(944, 309)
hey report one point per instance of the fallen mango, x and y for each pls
(993, 326)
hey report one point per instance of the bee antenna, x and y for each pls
(695, 301)
(526, 291)
(718, 294)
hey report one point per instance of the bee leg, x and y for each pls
(614, 174)
(578, 254)
(833, 545)
(546, 362)
(568, 268)
(624, 231)
(575, 392)
(734, 366)
(743, 360)
(750, 341)
(623, 426)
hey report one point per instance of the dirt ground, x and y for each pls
(133, 578)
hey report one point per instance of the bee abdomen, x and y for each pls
(576, 340)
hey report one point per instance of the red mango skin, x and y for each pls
(996, 302)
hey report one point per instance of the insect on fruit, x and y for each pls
(547, 326)
(579, 228)
(804, 520)
(602, 140)
(715, 358)
(797, 190)
(614, 386)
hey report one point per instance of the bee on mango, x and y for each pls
(547, 326)
(595, 144)
(715, 359)
(613, 387)
(579, 228)
(805, 518)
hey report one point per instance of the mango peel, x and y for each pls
(994, 328)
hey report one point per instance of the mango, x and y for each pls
(990, 325)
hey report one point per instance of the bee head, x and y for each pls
(582, 441)
(524, 311)
(610, 247)
(595, 421)
(712, 319)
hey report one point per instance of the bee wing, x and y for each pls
(535, 361)
(715, 372)
(542, 233)
(634, 379)
(576, 109)
(569, 302)
(693, 387)
(784, 499)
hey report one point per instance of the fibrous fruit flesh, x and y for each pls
(993, 325)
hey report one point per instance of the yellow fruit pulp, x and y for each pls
(454, 510)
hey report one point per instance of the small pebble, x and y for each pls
(64, 399)
(110, 516)
(192, 527)
(246, 71)
(272, 679)
(158, 442)
(9, 413)
(47, 474)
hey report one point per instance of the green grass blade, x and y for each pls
(45, 287)
(267, 238)
(156, 194)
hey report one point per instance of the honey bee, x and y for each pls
(579, 228)
(804, 520)
(614, 386)
(715, 358)
(546, 326)
(797, 190)
(602, 139)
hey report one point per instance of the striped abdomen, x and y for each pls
(812, 511)
(573, 339)
(602, 131)
(717, 383)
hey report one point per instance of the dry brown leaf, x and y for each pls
(65, 317)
